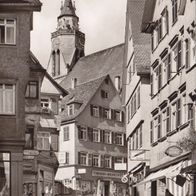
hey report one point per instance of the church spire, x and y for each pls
(67, 9)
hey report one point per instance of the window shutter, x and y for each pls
(113, 161)
(179, 63)
(79, 156)
(151, 132)
(160, 76)
(101, 135)
(54, 106)
(54, 142)
(151, 85)
(102, 161)
(125, 140)
(90, 134)
(79, 132)
(178, 113)
(159, 127)
(91, 110)
(101, 112)
(113, 138)
(168, 120)
(169, 67)
(90, 159)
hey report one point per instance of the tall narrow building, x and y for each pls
(67, 42)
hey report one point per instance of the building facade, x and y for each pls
(172, 28)
(92, 140)
(136, 96)
(15, 27)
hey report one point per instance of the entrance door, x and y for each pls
(107, 189)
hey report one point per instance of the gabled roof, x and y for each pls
(34, 5)
(34, 63)
(148, 15)
(81, 94)
(50, 86)
(135, 11)
(96, 65)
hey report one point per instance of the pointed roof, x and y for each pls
(81, 94)
(67, 9)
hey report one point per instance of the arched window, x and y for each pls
(58, 62)
(53, 63)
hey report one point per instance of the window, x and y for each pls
(5, 174)
(119, 139)
(58, 62)
(70, 110)
(174, 116)
(118, 116)
(184, 109)
(83, 158)
(174, 11)
(53, 63)
(166, 74)
(45, 103)
(32, 90)
(191, 116)
(106, 113)
(155, 130)
(107, 161)
(164, 22)
(140, 137)
(82, 133)
(66, 158)
(138, 97)
(7, 99)
(66, 133)
(96, 161)
(43, 141)
(7, 31)
(128, 114)
(159, 29)
(96, 135)
(107, 137)
(29, 138)
(104, 94)
(164, 123)
(94, 111)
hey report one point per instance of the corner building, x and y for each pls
(171, 24)
(15, 26)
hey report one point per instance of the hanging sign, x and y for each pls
(173, 151)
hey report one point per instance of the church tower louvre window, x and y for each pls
(67, 42)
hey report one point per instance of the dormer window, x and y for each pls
(104, 94)
(7, 31)
(70, 109)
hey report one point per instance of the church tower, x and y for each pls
(67, 42)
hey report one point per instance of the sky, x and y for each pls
(102, 21)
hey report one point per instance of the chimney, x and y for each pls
(117, 83)
(73, 83)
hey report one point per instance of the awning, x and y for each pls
(47, 123)
(168, 172)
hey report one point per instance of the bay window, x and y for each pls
(43, 141)
(7, 99)
(7, 31)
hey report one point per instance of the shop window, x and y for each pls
(43, 141)
(7, 99)
(5, 174)
(66, 133)
(32, 90)
(29, 134)
(7, 31)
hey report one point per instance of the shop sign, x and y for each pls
(125, 179)
(28, 157)
(139, 155)
(120, 166)
(81, 171)
(104, 174)
(31, 152)
(173, 151)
